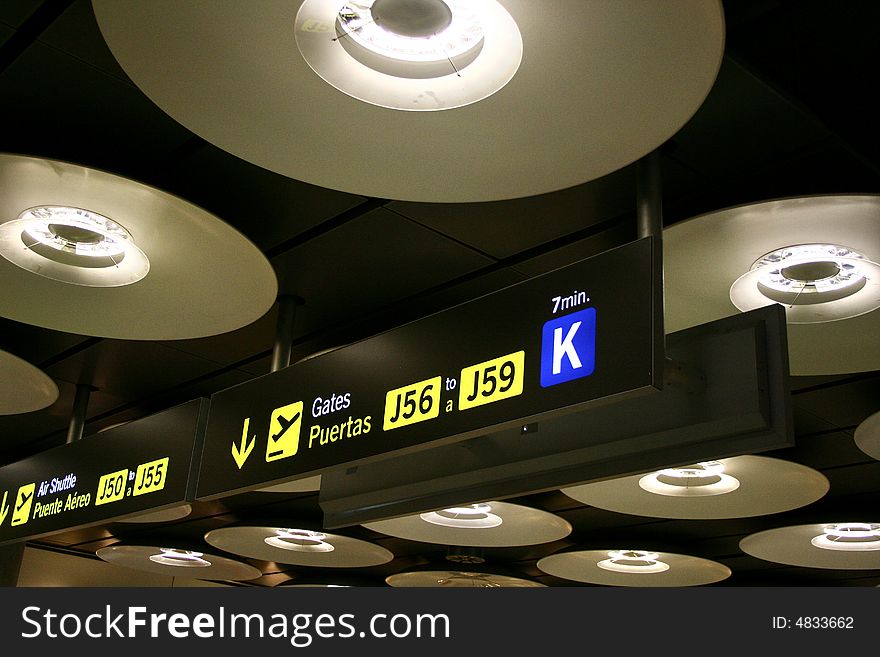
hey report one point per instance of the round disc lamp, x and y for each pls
(23, 387)
(458, 579)
(737, 487)
(304, 547)
(867, 436)
(165, 515)
(424, 100)
(177, 562)
(88, 252)
(485, 524)
(817, 256)
(627, 567)
(837, 545)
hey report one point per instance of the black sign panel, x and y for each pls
(145, 465)
(580, 334)
(726, 394)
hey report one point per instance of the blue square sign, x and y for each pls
(568, 347)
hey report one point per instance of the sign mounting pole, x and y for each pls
(649, 223)
(284, 332)
(78, 415)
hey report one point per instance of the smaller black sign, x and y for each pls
(726, 395)
(145, 465)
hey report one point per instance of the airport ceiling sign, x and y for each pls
(583, 334)
(143, 466)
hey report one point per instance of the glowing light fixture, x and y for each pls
(867, 436)
(471, 516)
(299, 540)
(320, 90)
(849, 537)
(303, 547)
(633, 568)
(817, 256)
(73, 245)
(815, 282)
(466, 579)
(23, 387)
(836, 546)
(736, 487)
(418, 55)
(633, 561)
(411, 38)
(180, 558)
(458, 579)
(487, 524)
(178, 562)
(92, 253)
(698, 480)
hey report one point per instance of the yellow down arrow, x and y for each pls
(4, 508)
(241, 454)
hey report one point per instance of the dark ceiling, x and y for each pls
(792, 113)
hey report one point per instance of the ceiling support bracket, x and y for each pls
(78, 415)
(287, 304)
(649, 223)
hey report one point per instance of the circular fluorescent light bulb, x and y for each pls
(411, 38)
(633, 561)
(180, 558)
(299, 540)
(705, 255)
(415, 55)
(815, 282)
(471, 516)
(478, 580)
(698, 480)
(73, 245)
(849, 537)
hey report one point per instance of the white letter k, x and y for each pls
(565, 348)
